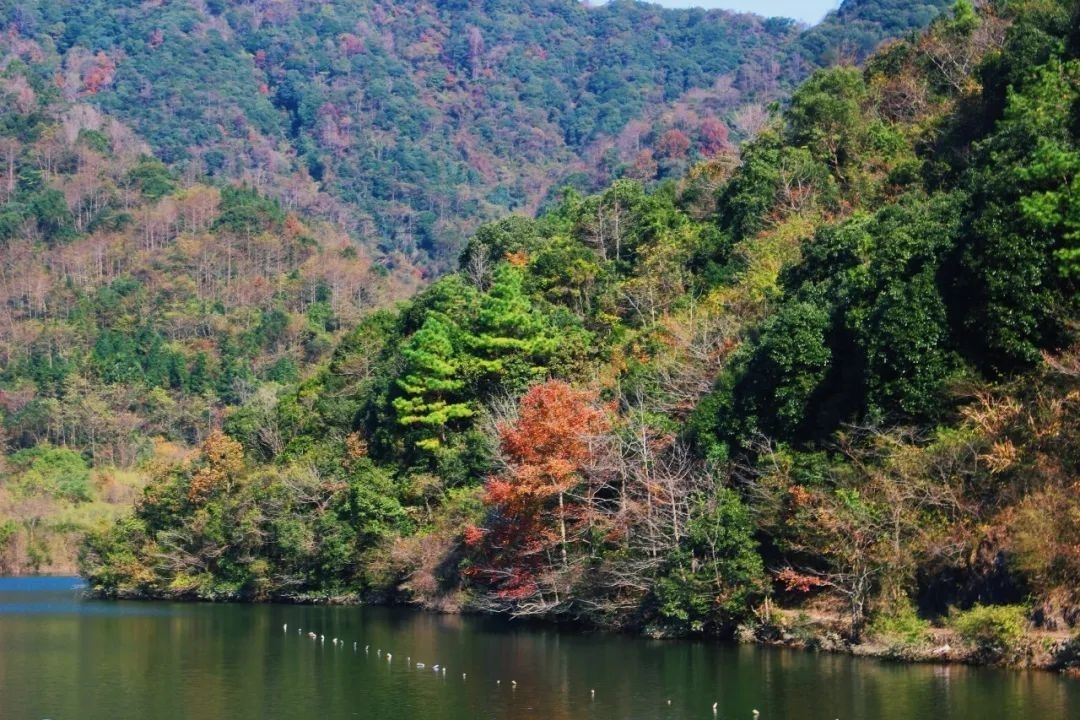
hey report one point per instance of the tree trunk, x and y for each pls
(562, 529)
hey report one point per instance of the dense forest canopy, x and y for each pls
(823, 384)
(423, 118)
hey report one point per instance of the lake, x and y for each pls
(62, 656)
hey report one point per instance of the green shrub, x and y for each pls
(8, 528)
(54, 471)
(992, 628)
(900, 626)
(716, 573)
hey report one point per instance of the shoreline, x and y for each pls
(1036, 650)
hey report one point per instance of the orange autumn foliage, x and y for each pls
(99, 75)
(546, 451)
(549, 444)
(221, 461)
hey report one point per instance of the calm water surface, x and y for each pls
(65, 657)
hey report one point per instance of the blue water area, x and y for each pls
(62, 596)
(40, 584)
(63, 656)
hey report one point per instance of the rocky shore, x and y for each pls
(1034, 649)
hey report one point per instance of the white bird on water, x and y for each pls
(714, 708)
(388, 657)
(592, 694)
(756, 713)
(513, 683)
(420, 666)
(285, 627)
(463, 676)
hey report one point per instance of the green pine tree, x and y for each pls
(510, 343)
(431, 383)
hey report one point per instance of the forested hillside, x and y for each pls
(425, 118)
(829, 388)
(135, 305)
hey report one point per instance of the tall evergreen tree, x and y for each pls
(510, 342)
(431, 383)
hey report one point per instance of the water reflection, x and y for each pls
(64, 657)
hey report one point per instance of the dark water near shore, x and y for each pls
(64, 657)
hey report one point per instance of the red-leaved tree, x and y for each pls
(522, 554)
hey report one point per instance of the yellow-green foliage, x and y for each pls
(900, 625)
(993, 628)
(766, 255)
(41, 527)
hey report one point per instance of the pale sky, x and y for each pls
(809, 11)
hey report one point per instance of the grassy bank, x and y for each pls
(42, 526)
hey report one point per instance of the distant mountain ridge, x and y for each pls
(426, 118)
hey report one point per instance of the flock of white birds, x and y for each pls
(436, 668)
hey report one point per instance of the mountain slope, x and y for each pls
(832, 391)
(427, 117)
(135, 305)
